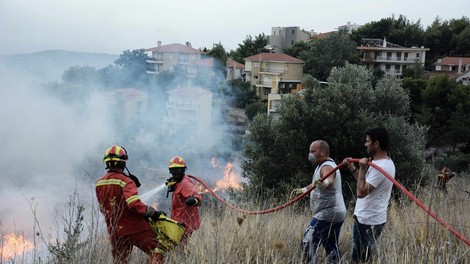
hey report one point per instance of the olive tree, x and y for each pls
(276, 150)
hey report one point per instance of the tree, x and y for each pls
(324, 54)
(398, 31)
(437, 108)
(239, 93)
(298, 48)
(218, 53)
(275, 150)
(80, 75)
(133, 65)
(250, 47)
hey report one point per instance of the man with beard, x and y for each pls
(327, 206)
(373, 191)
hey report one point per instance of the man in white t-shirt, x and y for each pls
(373, 191)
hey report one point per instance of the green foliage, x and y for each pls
(133, 65)
(398, 31)
(324, 54)
(218, 53)
(276, 150)
(250, 47)
(240, 93)
(255, 108)
(68, 249)
(298, 48)
(80, 75)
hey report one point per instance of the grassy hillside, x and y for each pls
(45, 66)
(410, 236)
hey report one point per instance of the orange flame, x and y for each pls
(229, 181)
(13, 245)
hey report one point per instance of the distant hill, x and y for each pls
(49, 65)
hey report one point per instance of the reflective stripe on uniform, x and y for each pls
(158, 251)
(133, 198)
(111, 182)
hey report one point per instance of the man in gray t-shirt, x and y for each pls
(326, 203)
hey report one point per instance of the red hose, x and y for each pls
(396, 183)
(418, 202)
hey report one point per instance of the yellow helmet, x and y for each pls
(115, 153)
(177, 162)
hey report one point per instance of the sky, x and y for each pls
(112, 26)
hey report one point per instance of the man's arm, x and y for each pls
(362, 187)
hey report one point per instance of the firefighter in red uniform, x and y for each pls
(125, 215)
(185, 199)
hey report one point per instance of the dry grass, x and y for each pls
(410, 235)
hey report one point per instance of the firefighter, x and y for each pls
(185, 200)
(443, 178)
(125, 214)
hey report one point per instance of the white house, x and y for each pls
(188, 108)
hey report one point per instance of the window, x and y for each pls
(256, 64)
(417, 55)
(293, 32)
(387, 67)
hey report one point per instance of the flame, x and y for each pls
(230, 179)
(13, 245)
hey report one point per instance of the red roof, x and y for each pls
(322, 35)
(174, 48)
(273, 57)
(453, 61)
(230, 64)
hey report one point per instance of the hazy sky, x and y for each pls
(112, 26)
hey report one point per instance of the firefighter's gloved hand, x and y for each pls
(192, 201)
(135, 180)
(154, 215)
(170, 182)
(322, 184)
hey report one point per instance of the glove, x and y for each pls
(135, 180)
(297, 192)
(322, 184)
(154, 215)
(192, 201)
(170, 182)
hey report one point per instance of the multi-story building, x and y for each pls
(456, 68)
(349, 27)
(273, 73)
(127, 104)
(235, 70)
(389, 57)
(285, 37)
(188, 108)
(172, 56)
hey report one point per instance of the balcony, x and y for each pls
(271, 71)
(155, 60)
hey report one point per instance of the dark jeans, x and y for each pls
(364, 237)
(325, 233)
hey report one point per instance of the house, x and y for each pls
(456, 68)
(273, 73)
(389, 57)
(206, 66)
(127, 104)
(285, 37)
(235, 70)
(188, 108)
(349, 27)
(171, 57)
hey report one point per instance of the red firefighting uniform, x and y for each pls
(189, 215)
(124, 215)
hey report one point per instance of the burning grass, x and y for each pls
(226, 236)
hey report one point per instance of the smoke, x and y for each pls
(44, 142)
(53, 148)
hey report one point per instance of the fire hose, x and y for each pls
(395, 182)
